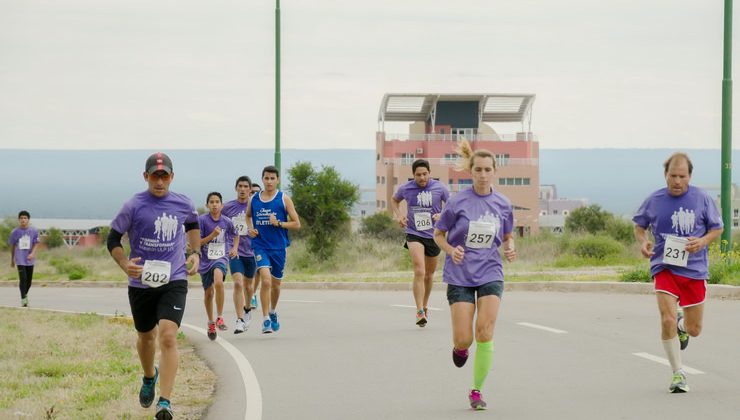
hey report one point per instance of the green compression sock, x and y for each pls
(482, 364)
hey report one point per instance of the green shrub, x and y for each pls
(637, 274)
(382, 226)
(621, 230)
(54, 238)
(6, 227)
(597, 247)
(66, 265)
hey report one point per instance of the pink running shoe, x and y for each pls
(476, 401)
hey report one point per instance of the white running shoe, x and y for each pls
(247, 320)
(240, 326)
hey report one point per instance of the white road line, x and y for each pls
(253, 393)
(414, 307)
(542, 327)
(301, 301)
(663, 361)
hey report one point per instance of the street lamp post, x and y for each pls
(727, 131)
(277, 85)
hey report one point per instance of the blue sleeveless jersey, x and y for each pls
(270, 237)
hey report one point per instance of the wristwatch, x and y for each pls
(280, 223)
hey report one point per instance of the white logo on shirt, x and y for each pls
(489, 217)
(683, 221)
(165, 227)
(424, 199)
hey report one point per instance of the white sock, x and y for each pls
(266, 318)
(672, 349)
(681, 325)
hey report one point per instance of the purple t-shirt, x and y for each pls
(691, 214)
(219, 246)
(238, 213)
(421, 204)
(155, 228)
(24, 241)
(493, 217)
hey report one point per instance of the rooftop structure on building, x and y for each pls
(437, 122)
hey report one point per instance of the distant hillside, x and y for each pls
(94, 184)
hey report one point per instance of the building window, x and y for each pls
(377, 156)
(377, 180)
(395, 180)
(736, 212)
(554, 212)
(382, 180)
(464, 182)
(407, 158)
(451, 157)
(377, 204)
(502, 159)
(513, 181)
(735, 223)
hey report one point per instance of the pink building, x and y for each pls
(437, 121)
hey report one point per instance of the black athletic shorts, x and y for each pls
(149, 305)
(431, 249)
(468, 294)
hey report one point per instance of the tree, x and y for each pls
(55, 238)
(323, 200)
(591, 219)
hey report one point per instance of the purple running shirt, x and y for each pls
(421, 204)
(155, 226)
(478, 223)
(24, 240)
(217, 250)
(238, 213)
(691, 214)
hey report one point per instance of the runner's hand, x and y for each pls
(216, 231)
(403, 221)
(252, 233)
(194, 262)
(435, 217)
(647, 249)
(695, 244)
(133, 269)
(458, 253)
(273, 220)
(509, 252)
(233, 253)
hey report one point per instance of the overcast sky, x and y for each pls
(182, 74)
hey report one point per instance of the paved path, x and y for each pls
(357, 354)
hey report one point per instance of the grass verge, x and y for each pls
(67, 366)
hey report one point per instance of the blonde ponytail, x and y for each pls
(465, 150)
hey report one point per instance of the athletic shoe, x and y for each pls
(253, 302)
(476, 403)
(426, 313)
(459, 357)
(683, 336)
(221, 324)
(240, 327)
(164, 411)
(678, 383)
(266, 326)
(247, 320)
(146, 393)
(274, 321)
(24, 302)
(421, 318)
(212, 330)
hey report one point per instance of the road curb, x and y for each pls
(714, 291)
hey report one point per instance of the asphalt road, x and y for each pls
(358, 355)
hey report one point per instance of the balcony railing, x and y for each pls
(524, 136)
(451, 162)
